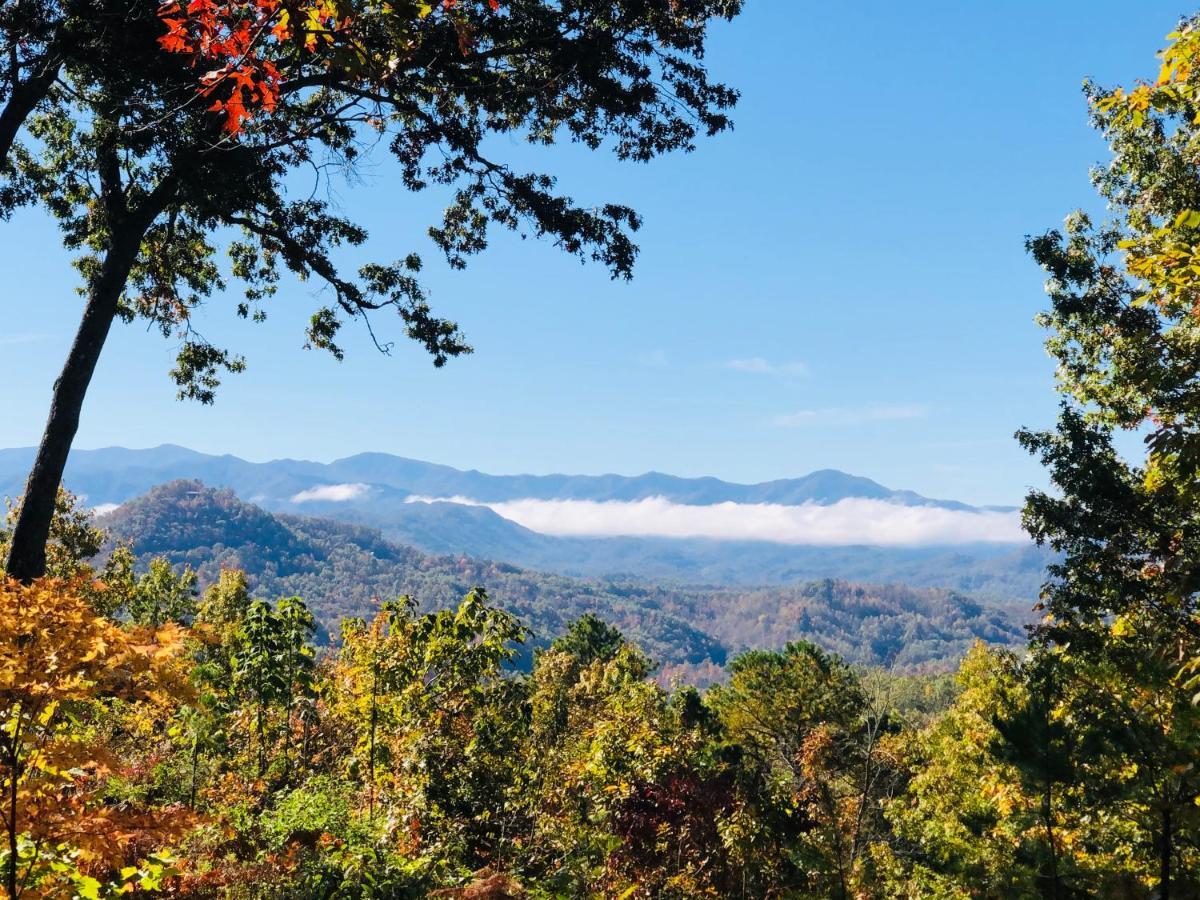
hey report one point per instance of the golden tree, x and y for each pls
(60, 665)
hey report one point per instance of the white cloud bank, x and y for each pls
(847, 522)
(332, 493)
(104, 508)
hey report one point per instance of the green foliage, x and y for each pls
(432, 714)
(74, 538)
(1107, 736)
(589, 639)
(416, 755)
(273, 665)
(321, 805)
(816, 767)
(963, 819)
(162, 596)
(73, 544)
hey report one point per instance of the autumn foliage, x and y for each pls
(242, 51)
(214, 751)
(61, 666)
(224, 41)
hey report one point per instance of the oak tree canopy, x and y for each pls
(162, 136)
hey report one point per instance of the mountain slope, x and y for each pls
(343, 569)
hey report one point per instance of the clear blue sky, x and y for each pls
(839, 283)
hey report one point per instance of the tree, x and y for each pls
(1040, 744)
(1124, 293)
(168, 129)
(219, 617)
(589, 638)
(58, 658)
(220, 614)
(964, 819)
(37, 38)
(162, 596)
(1120, 625)
(73, 543)
(813, 763)
(74, 538)
(608, 777)
(1122, 607)
(434, 719)
(273, 663)
(297, 627)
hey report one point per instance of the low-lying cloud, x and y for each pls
(104, 508)
(332, 493)
(848, 522)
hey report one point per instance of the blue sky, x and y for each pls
(840, 282)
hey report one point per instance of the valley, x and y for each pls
(342, 569)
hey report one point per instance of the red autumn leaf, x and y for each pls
(231, 43)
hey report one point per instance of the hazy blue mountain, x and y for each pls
(382, 484)
(343, 569)
(115, 474)
(427, 479)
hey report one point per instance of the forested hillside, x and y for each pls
(344, 570)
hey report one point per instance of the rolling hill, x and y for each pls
(343, 569)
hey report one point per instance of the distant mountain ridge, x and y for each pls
(373, 489)
(115, 474)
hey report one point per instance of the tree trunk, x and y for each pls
(1164, 855)
(195, 768)
(14, 762)
(1048, 821)
(371, 742)
(27, 553)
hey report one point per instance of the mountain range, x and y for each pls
(115, 474)
(470, 513)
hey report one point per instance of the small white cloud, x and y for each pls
(11, 340)
(332, 493)
(756, 365)
(850, 415)
(654, 359)
(104, 508)
(848, 522)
